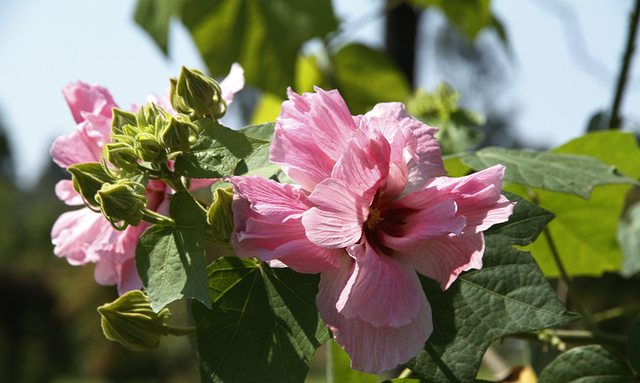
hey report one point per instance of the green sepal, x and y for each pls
(130, 321)
(197, 95)
(121, 202)
(220, 217)
(88, 178)
(120, 119)
(178, 134)
(121, 155)
(149, 149)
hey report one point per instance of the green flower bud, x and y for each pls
(120, 119)
(221, 217)
(197, 95)
(120, 202)
(121, 155)
(179, 134)
(149, 149)
(130, 321)
(88, 178)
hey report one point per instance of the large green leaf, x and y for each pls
(154, 17)
(589, 364)
(584, 232)
(629, 240)
(263, 327)
(366, 77)
(559, 172)
(258, 162)
(171, 259)
(264, 36)
(508, 295)
(217, 151)
(470, 16)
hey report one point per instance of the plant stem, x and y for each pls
(182, 331)
(577, 337)
(171, 178)
(404, 374)
(616, 312)
(569, 281)
(614, 121)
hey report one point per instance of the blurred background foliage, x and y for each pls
(49, 326)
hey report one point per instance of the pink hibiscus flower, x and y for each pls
(370, 211)
(82, 236)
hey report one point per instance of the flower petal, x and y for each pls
(444, 258)
(233, 83)
(337, 220)
(310, 135)
(83, 97)
(74, 233)
(478, 197)
(371, 349)
(67, 194)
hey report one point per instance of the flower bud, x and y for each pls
(88, 178)
(120, 202)
(121, 155)
(221, 217)
(197, 95)
(130, 321)
(149, 149)
(120, 119)
(179, 134)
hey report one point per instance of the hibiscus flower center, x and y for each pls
(374, 218)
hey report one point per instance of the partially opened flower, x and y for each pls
(370, 210)
(82, 236)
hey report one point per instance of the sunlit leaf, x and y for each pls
(341, 367)
(469, 16)
(587, 364)
(258, 162)
(267, 108)
(171, 259)
(264, 36)
(554, 171)
(366, 77)
(584, 232)
(263, 327)
(217, 151)
(154, 17)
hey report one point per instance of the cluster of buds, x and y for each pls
(141, 145)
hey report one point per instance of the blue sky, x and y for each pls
(558, 81)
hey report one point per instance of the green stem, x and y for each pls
(575, 337)
(171, 178)
(616, 312)
(156, 218)
(569, 281)
(182, 331)
(614, 121)
(405, 374)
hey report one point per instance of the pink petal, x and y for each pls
(88, 98)
(385, 293)
(371, 349)
(478, 197)
(128, 277)
(67, 194)
(74, 233)
(197, 183)
(105, 273)
(444, 258)
(310, 135)
(338, 219)
(434, 221)
(233, 83)
(75, 148)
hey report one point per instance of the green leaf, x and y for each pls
(509, 295)
(264, 325)
(366, 77)
(559, 172)
(154, 17)
(341, 367)
(526, 222)
(171, 259)
(454, 166)
(629, 240)
(584, 232)
(264, 36)
(258, 162)
(217, 152)
(469, 16)
(587, 364)
(633, 345)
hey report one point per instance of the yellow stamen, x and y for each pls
(374, 218)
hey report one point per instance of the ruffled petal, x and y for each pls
(444, 258)
(74, 234)
(478, 197)
(75, 148)
(337, 220)
(371, 349)
(310, 135)
(83, 97)
(386, 293)
(233, 83)
(128, 277)
(67, 194)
